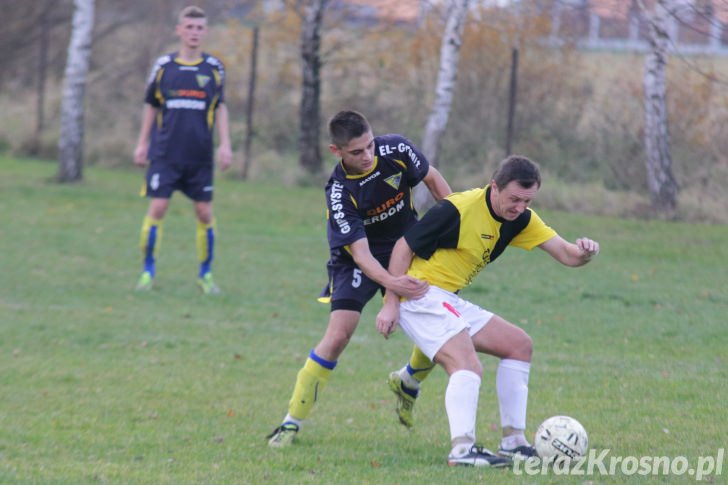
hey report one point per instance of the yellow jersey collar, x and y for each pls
(360, 175)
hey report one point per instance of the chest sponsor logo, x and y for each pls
(187, 93)
(394, 181)
(384, 211)
(195, 104)
(202, 80)
(487, 236)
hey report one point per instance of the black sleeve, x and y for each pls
(439, 228)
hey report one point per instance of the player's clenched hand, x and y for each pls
(588, 247)
(140, 155)
(409, 287)
(387, 319)
(224, 157)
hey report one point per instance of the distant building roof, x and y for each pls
(614, 9)
(620, 9)
(407, 11)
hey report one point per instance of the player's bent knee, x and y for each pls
(454, 363)
(522, 348)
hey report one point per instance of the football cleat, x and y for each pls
(479, 456)
(207, 285)
(145, 282)
(283, 435)
(522, 452)
(405, 399)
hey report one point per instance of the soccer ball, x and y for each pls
(561, 438)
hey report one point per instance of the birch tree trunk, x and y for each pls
(660, 180)
(452, 39)
(247, 150)
(42, 75)
(310, 109)
(70, 143)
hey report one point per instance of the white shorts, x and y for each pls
(437, 317)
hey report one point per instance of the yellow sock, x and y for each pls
(311, 380)
(149, 241)
(205, 239)
(419, 365)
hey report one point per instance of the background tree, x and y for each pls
(310, 110)
(33, 45)
(660, 180)
(250, 109)
(70, 143)
(581, 112)
(452, 39)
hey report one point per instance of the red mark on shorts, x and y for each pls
(450, 309)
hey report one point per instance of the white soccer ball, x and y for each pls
(561, 438)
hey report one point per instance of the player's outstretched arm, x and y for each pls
(436, 183)
(571, 254)
(402, 284)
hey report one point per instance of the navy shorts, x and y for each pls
(192, 179)
(349, 288)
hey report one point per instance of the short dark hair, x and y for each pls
(346, 125)
(521, 169)
(191, 12)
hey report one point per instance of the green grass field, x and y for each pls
(99, 384)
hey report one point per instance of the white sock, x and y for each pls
(514, 441)
(291, 419)
(461, 404)
(408, 379)
(511, 383)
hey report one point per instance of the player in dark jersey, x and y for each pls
(369, 202)
(184, 100)
(452, 243)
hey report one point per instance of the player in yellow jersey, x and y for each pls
(447, 248)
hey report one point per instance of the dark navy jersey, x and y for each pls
(377, 204)
(186, 95)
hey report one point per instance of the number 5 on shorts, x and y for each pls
(356, 278)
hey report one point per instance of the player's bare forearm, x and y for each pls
(399, 262)
(574, 254)
(140, 152)
(368, 263)
(224, 150)
(401, 284)
(436, 184)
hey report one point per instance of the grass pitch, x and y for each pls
(100, 384)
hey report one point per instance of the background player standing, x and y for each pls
(184, 100)
(369, 202)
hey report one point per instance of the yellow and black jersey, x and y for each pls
(460, 235)
(186, 95)
(376, 204)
